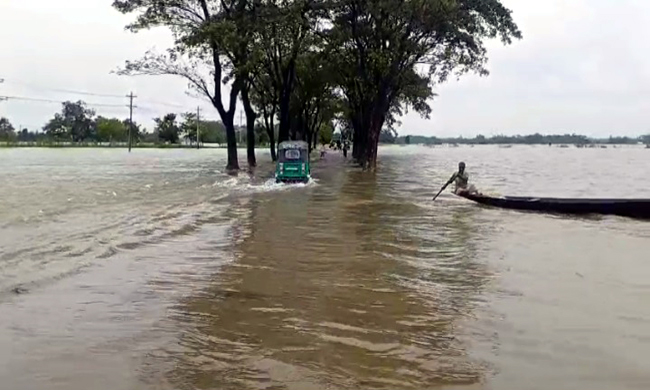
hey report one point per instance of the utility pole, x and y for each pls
(130, 96)
(198, 131)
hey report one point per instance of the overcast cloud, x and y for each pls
(583, 66)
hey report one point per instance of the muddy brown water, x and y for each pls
(154, 270)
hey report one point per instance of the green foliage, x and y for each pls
(262, 135)
(326, 133)
(531, 139)
(377, 45)
(111, 130)
(189, 126)
(210, 43)
(7, 131)
(167, 128)
(622, 140)
(388, 136)
(213, 132)
(304, 63)
(645, 139)
(75, 123)
(209, 131)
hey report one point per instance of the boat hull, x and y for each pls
(633, 208)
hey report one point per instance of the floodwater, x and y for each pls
(155, 270)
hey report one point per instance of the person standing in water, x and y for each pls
(461, 180)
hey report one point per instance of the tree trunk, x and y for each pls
(270, 130)
(250, 127)
(274, 156)
(231, 141)
(283, 134)
(359, 138)
(372, 140)
(250, 140)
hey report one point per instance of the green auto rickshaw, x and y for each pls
(293, 162)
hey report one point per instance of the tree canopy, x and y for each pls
(167, 128)
(7, 131)
(305, 64)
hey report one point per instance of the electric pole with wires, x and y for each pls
(198, 131)
(130, 96)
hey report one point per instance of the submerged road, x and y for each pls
(154, 270)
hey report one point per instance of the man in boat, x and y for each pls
(461, 181)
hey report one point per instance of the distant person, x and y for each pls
(323, 150)
(345, 149)
(461, 181)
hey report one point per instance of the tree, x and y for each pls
(189, 126)
(284, 30)
(197, 55)
(7, 131)
(645, 139)
(326, 133)
(314, 101)
(75, 123)
(264, 97)
(137, 132)
(213, 132)
(111, 130)
(380, 47)
(388, 136)
(209, 131)
(167, 128)
(261, 135)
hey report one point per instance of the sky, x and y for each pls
(582, 66)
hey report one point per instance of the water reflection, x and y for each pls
(344, 292)
(155, 271)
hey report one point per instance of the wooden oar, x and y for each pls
(440, 192)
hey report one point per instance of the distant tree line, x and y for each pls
(532, 139)
(77, 123)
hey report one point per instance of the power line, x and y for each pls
(130, 96)
(55, 101)
(163, 104)
(63, 90)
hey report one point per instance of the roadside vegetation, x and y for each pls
(307, 65)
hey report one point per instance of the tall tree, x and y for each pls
(314, 101)
(197, 54)
(233, 30)
(264, 97)
(75, 122)
(189, 127)
(383, 46)
(213, 132)
(7, 131)
(111, 130)
(167, 128)
(285, 29)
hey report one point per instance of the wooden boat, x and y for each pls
(633, 208)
